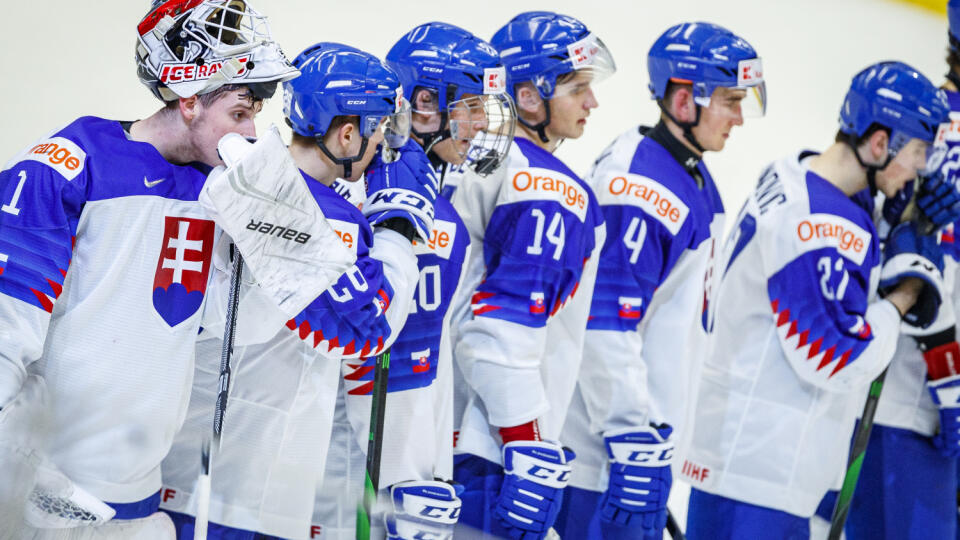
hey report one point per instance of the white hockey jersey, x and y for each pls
(418, 423)
(280, 411)
(104, 262)
(649, 319)
(536, 229)
(799, 336)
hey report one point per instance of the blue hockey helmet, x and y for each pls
(540, 46)
(953, 16)
(707, 56)
(339, 80)
(468, 82)
(897, 97)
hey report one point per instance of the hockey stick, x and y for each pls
(374, 445)
(673, 528)
(855, 462)
(203, 482)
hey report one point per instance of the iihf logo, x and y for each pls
(182, 268)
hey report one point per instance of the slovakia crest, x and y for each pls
(182, 268)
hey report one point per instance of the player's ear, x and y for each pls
(682, 106)
(877, 145)
(528, 99)
(425, 108)
(189, 108)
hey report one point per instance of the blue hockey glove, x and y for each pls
(910, 254)
(405, 188)
(893, 208)
(939, 199)
(640, 476)
(535, 473)
(946, 395)
(423, 509)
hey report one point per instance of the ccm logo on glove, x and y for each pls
(281, 232)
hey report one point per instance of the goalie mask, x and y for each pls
(192, 47)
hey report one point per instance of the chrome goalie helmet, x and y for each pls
(192, 47)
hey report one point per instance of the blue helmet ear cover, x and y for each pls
(339, 80)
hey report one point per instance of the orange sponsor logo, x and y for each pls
(846, 239)
(571, 194)
(662, 204)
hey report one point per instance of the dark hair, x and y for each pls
(857, 141)
(210, 98)
(953, 57)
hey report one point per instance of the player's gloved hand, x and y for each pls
(423, 509)
(939, 199)
(535, 473)
(640, 476)
(911, 254)
(403, 189)
(892, 210)
(946, 395)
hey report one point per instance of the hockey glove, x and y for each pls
(939, 199)
(423, 509)
(403, 189)
(640, 476)
(535, 473)
(946, 395)
(910, 254)
(892, 210)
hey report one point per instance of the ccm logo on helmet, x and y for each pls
(653, 197)
(537, 183)
(62, 154)
(174, 73)
(827, 230)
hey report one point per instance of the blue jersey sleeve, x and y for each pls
(41, 199)
(353, 315)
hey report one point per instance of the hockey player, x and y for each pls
(664, 217)
(537, 231)
(799, 331)
(908, 484)
(342, 108)
(462, 117)
(104, 259)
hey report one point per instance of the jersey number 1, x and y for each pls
(12, 207)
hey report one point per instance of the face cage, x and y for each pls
(488, 122)
(227, 27)
(753, 105)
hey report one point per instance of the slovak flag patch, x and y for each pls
(537, 305)
(182, 268)
(421, 361)
(630, 307)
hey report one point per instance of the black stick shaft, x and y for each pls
(855, 462)
(229, 332)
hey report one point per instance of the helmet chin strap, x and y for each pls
(871, 168)
(346, 162)
(540, 128)
(687, 127)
